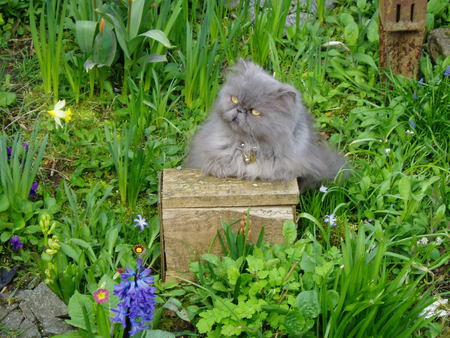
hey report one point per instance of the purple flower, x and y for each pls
(447, 71)
(9, 152)
(412, 124)
(137, 295)
(420, 83)
(33, 190)
(415, 97)
(140, 222)
(16, 244)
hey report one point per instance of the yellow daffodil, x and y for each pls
(58, 113)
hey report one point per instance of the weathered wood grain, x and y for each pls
(188, 188)
(191, 232)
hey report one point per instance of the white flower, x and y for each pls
(323, 188)
(140, 222)
(432, 309)
(387, 150)
(409, 132)
(438, 241)
(58, 113)
(422, 241)
(330, 219)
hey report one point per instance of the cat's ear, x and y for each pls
(288, 93)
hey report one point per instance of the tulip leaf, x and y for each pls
(105, 47)
(159, 36)
(114, 18)
(136, 16)
(84, 34)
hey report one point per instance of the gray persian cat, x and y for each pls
(259, 129)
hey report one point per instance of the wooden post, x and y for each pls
(402, 27)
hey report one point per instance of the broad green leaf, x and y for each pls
(324, 269)
(105, 47)
(70, 251)
(4, 203)
(156, 334)
(84, 34)
(135, 17)
(159, 36)
(351, 33)
(213, 259)
(294, 322)
(373, 30)
(364, 58)
(308, 304)
(346, 19)
(5, 236)
(111, 238)
(114, 18)
(289, 232)
(308, 263)
(75, 312)
(332, 299)
(404, 187)
(7, 98)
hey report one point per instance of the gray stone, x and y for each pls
(46, 308)
(6, 309)
(439, 43)
(291, 18)
(13, 320)
(28, 329)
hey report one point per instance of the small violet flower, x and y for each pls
(447, 71)
(101, 296)
(330, 219)
(420, 83)
(16, 244)
(412, 124)
(323, 189)
(33, 190)
(415, 97)
(137, 299)
(140, 222)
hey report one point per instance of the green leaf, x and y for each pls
(351, 33)
(289, 232)
(75, 312)
(295, 323)
(308, 304)
(105, 47)
(404, 187)
(114, 18)
(4, 202)
(135, 17)
(159, 36)
(156, 334)
(213, 259)
(332, 299)
(364, 58)
(324, 269)
(373, 30)
(7, 98)
(111, 238)
(5, 236)
(84, 34)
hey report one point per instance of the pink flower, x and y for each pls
(101, 296)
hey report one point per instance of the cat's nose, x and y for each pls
(242, 111)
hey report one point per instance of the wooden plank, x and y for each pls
(188, 188)
(189, 233)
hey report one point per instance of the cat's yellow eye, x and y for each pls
(234, 99)
(255, 112)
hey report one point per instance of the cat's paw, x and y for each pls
(219, 167)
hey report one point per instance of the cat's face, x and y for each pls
(255, 104)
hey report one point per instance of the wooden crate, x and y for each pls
(192, 205)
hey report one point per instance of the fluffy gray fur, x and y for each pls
(281, 138)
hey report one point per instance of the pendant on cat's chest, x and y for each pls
(249, 157)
